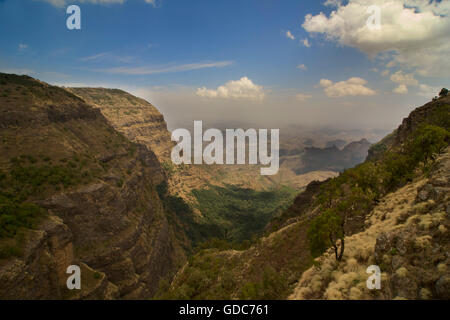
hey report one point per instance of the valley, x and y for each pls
(86, 178)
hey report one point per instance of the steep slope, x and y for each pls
(136, 118)
(406, 235)
(75, 191)
(394, 211)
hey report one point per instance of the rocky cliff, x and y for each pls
(136, 118)
(76, 191)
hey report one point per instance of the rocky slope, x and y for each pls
(406, 234)
(87, 196)
(136, 118)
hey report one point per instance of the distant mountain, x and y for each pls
(338, 143)
(332, 158)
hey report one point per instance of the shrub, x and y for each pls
(443, 92)
(427, 142)
(324, 232)
(14, 216)
(271, 287)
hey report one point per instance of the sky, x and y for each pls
(266, 63)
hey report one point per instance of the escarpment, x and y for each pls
(74, 191)
(136, 118)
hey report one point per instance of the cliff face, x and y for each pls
(136, 118)
(97, 190)
(141, 122)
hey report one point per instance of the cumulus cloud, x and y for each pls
(302, 67)
(243, 88)
(413, 34)
(352, 87)
(303, 97)
(290, 35)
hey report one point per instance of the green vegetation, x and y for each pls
(201, 279)
(209, 275)
(427, 142)
(325, 230)
(241, 213)
(271, 287)
(14, 216)
(28, 178)
(168, 167)
(181, 216)
(232, 217)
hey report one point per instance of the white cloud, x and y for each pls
(165, 69)
(290, 35)
(243, 88)
(385, 73)
(303, 97)
(302, 67)
(401, 89)
(305, 42)
(413, 34)
(352, 87)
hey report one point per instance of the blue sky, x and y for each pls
(167, 51)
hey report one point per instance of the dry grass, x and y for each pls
(347, 279)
